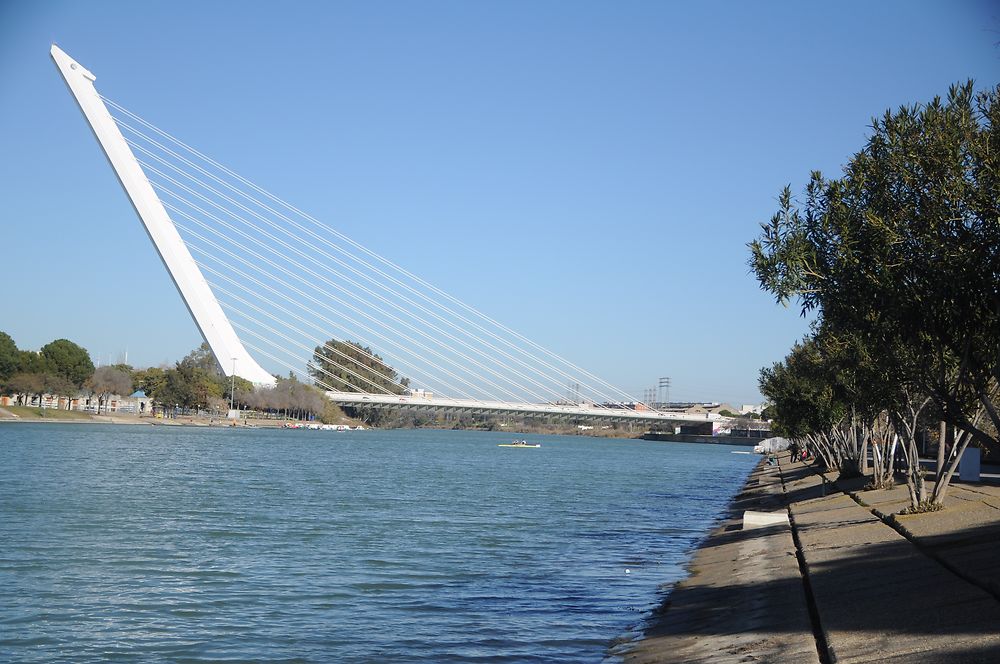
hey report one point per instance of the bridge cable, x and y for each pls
(384, 261)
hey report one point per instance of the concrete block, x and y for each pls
(968, 467)
(762, 519)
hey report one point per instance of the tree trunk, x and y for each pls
(906, 423)
(944, 479)
(892, 454)
(960, 443)
(863, 457)
(912, 490)
(861, 431)
(941, 451)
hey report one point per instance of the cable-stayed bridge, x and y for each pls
(274, 290)
(557, 411)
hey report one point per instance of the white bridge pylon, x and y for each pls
(260, 276)
(205, 309)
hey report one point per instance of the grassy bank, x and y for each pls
(27, 413)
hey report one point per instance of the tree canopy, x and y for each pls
(348, 366)
(59, 368)
(149, 380)
(900, 259)
(68, 360)
(203, 358)
(109, 380)
(8, 357)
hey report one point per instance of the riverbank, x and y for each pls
(845, 579)
(12, 414)
(695, 438)
(50, 415)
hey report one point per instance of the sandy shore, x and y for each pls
(845, 580)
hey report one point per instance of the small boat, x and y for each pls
(519, 443)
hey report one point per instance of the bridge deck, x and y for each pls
(413, 402)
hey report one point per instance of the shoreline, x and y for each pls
(79, 417)
(713, 613)
(149, 422)
(843, 579)
(191, 421)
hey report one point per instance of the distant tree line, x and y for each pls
(60, 367)
(64, 369)
(899, 259)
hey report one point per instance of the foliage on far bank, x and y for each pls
(348, 366)
(60, 367)
(195, 383)
(899, 258)
(106, 381)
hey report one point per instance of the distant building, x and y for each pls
(47, 401)
(141, 404)
(82, 401)
(621, 405)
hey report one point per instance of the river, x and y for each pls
(132, 543)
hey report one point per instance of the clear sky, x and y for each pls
(588, 173)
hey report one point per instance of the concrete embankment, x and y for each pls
(694, 438)
(846, 580)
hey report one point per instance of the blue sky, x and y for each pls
(588, 173)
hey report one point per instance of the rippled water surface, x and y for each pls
(182, 544)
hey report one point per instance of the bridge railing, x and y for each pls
(470, 405)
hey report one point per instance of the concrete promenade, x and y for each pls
(846, 581)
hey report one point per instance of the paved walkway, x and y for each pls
(744, 600)
(920, 588)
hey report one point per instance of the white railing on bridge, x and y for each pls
(402, 401)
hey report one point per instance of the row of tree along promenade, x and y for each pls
(899, 261)
(866, 554)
